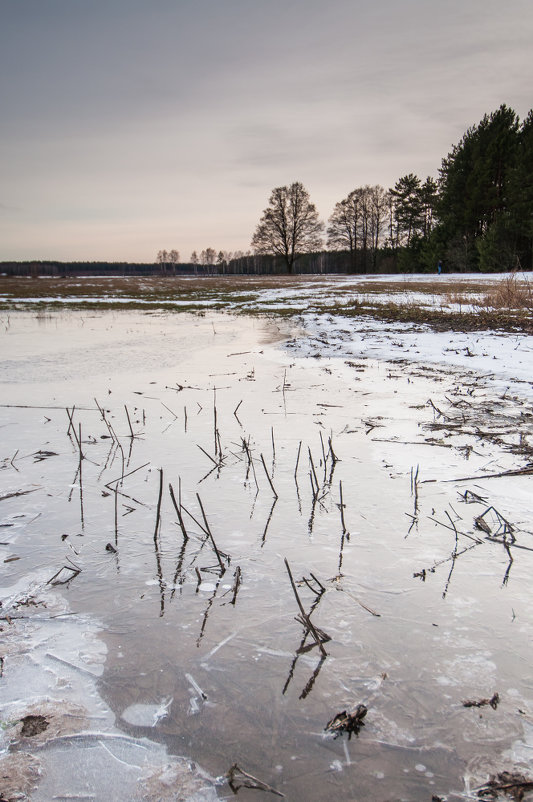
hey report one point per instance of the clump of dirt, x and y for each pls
(33, 725)
(510, 784)
(39, 723)
(494, 701)
(44, 721)
(19, 774)
(347, 722)
(178, 781)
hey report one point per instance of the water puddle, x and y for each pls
(213, 546)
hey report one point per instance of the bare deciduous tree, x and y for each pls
(289, 225)
(207, 259)
(343, 228)
(166, 259)
(356, 224)
(162, 258)
(223, 260)
(378, 208)
(208, 256)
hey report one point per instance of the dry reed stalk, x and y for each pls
(333, 455)
(297, 459)
(71, 424)
(129, 422)
(304, 615)
(314, 471)
(209, 456)
(116, 514)
(314, 489)
(159, 499)
(236, 584)
(341, 507)
(196, 521)
(108, 425)
(268, 477)
(215, 427)
(323, 454)
(178, 512)
(265, 530)
(124, 475)
(219, 558)
(81, 478)
(235, 413)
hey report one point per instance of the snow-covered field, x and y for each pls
(507, 358)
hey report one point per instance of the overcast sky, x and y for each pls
(127, 126)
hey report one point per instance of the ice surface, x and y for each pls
(134, 644)
(50, 665)
(146, 715)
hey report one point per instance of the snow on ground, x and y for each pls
(508, 358)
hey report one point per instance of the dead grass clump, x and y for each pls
(480, 319)
(511, 292)
(457, 299)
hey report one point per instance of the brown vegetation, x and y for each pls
(499, 303)
(511, 292)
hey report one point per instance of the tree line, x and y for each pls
(208, 262)
(478, 214)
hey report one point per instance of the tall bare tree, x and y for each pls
(168, 259)
(356, 225)
(223, 260)
(195, 261)
(173, 259)
(208, 256)
(289, 225)
(343, 228)
(378, 208)
(162, 260)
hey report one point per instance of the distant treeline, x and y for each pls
(249, 264)
(384, 260)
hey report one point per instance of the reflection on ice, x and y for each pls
(161, 636)
(146, 715)
(50, 666)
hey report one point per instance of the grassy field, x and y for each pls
(443, 302)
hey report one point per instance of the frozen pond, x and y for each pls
(213, 449)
